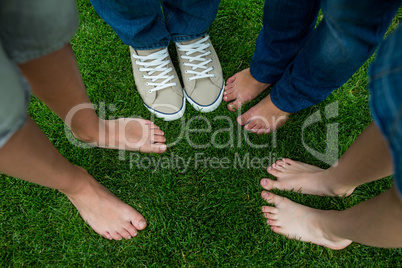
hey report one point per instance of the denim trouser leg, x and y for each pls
(349, 33)
(138, 23)
(189, 19)
(141, 23)
(386, 98)
(287, 25)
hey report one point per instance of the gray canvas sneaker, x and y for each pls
(157, 82)
(202, 73)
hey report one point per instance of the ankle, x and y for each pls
(89, 133)
(79, 179)
(334, 186)
(325, 224)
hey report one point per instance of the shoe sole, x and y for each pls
(168, 117)
(206, 108)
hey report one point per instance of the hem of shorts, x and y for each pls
(13, 130)
(31, 55)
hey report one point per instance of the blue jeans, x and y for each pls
(149, 24)
(386, 97)
(307, 63)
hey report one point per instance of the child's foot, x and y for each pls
(299, 222)
(298, 176)
(104, 212)
(242, 87)
(128, 134)
(263, 118)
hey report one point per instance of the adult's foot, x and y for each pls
(242, 87)
(308, 179)
(103, 211)
(263, 118)
(296, 221)
(132, 134)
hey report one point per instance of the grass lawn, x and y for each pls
(199, 216)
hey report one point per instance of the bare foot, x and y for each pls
(242, 87)
(127, 134)
(299, 222)
(103, 211)
(308, 179)
(263, 118)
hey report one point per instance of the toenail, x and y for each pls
(264, 182)
(129, 237)
(163, 147)
(142, 223)
(269, 168)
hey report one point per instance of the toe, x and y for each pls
(249, 126)
(123, 233)
(231, 80)
(157, 132)
(276, 229)
(157, 148)
(272, 198)
(229, 88)
(234, 105)
(230, 96)
(162, 148)
(280, 163)
(140, 223)
(270, 210)
(115, 235)
(107, 235)
(273, 171)
(277, 167)
(151, 124)
(261, 131)
(135, 218)
(256, 128)
(268, 184)
(245, 118)
(268, 130)
(288, 161)
(272, 222)
(158, 139)
(131, 230)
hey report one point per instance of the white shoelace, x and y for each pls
(156, 62)
(197, 47)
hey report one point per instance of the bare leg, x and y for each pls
(264, 117)
(368, 159)
(30, 156)
(376, 222)
(56, 80)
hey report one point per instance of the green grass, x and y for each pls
(203, 217)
